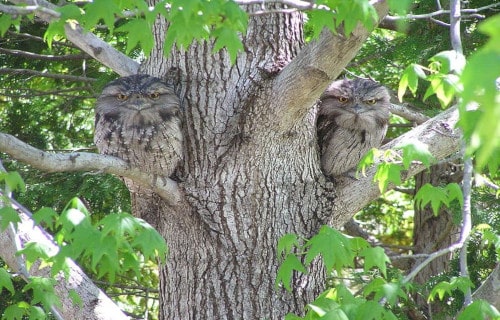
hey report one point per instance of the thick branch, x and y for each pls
(490, 289)
(84, 161)
(88, 42)
(439, 136)
(302, 81)
(94, 303)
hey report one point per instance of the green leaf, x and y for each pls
(449, 61)
(285, 271)
(375, 257)
(226, 38)
(414, 150)
(119, 224)
(324, 304)
(34, 251)
(492, 237)
(409, 80)
(37, 313)
(43, 292)
(46, 217)
(400, 7)
(138, 32)
(367, 160)
(8, 215)
(13, 180)
(387, 173)
(6, 21)
(479, 309)
(6, 281)
(336, 314)
(444, 87)
(104, 10)
(75, 298)
(106, 256)
(385, 290)
(61, 262)
(443, 288)
(480, 127)
(151, 244)
(320, 19)
(69, 13)
(436, 196)
(454, 192)
(334, 247)
(16, 311)
(371, 310)
(353, 12)
(286, 244)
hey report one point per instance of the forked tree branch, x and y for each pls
(301, 82)
(84, 161)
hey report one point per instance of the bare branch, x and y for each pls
(83, 161)
(442, 12)
(27, 72)
(405, 111)
(88, 42)
(30, 37)
(36, 93)
(31, 55)
(30, 9)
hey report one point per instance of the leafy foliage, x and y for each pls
(480, 124)
(110, 244)
(438, 196)
(61, 122)
(340, 252)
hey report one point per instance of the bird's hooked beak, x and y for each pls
(138, 102)
(357, 108)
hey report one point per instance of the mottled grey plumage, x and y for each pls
(353, 117)
(137, 119)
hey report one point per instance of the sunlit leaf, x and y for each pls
(375, 257)
(6, 281)
(387, 173)
(286, 269)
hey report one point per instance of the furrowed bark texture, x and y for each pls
(246, 183)
(433, 232)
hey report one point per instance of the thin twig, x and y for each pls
(27, 72)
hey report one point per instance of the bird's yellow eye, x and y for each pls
(343, 99)
(121, 97)
(371, 101)
(154, 95)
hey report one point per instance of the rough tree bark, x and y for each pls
(250, 172)
(433, 232)
(251, 168)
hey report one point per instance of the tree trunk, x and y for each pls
(246, 183)
(434, 232)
